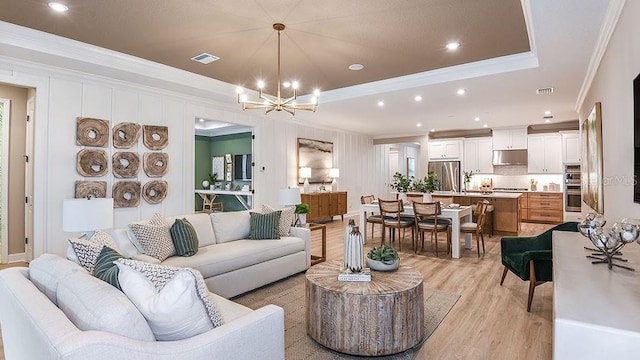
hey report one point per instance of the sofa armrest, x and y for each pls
(258, 335)
(304, 234)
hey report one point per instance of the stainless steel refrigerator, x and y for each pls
(447, 174)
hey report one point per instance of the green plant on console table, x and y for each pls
(302, 209)
(384, 253)
(401, 183)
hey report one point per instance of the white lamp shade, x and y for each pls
(334, 173)
(81, 215)
(305, 172)
(289, 196)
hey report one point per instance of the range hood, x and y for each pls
(510, 157)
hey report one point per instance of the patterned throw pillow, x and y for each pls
(102, 238)
(265, 226)
(184, 237)
(175, 301)
(87, 252)
(105, 268)
(155, 237)
(287, 216)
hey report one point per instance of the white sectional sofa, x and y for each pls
(229, 262)
(55, 309)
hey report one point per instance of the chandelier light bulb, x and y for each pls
(316, 92)
(260, 84)
(59, 7)
(295, 85)
(286, 84)
(239, 90)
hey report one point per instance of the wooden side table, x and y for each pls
(381, 317)
(315, 259)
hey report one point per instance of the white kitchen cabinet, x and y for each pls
(545, 154)
(478, 155)
(444, 149)
(510, 139)
(571, 151)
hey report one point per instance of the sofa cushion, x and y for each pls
(230, 226)
(105, 269)
(174, 301)
(154, 237)
(202, 223)
(222, 258)
(287, 216)
(264, 226)
(46, 270)
(185, 238)
(92, 304)
(122, 237)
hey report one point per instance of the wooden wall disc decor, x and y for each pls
(155, 164)
(125, 135)
(92, 162)
(155, 191)
(92, 132)
(125, 164)
(155, 137)
(126, 194)
(94, 188)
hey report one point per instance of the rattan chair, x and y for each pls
(426, 220)
(476, 227)
(392, 218)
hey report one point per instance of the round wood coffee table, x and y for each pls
(381, 317)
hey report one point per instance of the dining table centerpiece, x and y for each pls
(427, 185)
(401, 183)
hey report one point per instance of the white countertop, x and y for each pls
(501, 195)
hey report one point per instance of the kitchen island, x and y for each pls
(506, 219)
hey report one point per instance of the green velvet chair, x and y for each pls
(530, 258)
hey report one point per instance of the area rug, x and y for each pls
(290, 295)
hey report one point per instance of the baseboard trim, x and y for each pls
(15, 258)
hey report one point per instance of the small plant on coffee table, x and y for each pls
(383, 253)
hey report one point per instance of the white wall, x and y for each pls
(613, 87)
(62, 95)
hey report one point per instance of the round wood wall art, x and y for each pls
(155, 137)
(126, 194)
(92, 162)
(94, 188)
(92, 132)
(125, 164)
(125, 135)
(155, 191)
(155, 164)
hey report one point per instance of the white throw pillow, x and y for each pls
(287, 215)
(174, 301)
(230, 226)
(155, 237)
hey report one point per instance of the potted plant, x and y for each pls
(427, 185)
(301, 211)
(383, 258)
(467, 179)
(401, 184)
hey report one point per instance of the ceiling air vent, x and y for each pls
(541, 91)
(205, 58)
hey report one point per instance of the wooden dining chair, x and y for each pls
(476, 227)
(373, 218)
(415, 197)
(447, 200)
(426, 220)
(392, 217)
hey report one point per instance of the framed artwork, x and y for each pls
(592, 186)
(217, 167)
(318, 155)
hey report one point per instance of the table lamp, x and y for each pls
(86, 215)
(290, 197)
(334, 173)
(305, 173)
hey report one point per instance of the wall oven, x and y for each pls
(572, 188)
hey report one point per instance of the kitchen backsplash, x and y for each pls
(516, 176)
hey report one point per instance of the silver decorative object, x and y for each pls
(609, 242)
(354, 251)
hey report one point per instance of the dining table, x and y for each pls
(457, 214)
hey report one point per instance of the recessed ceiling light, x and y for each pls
(485, 126)
(461, 91)
(453, 45)
(547, 120)
(418, 124)
(418, 98)
(58, 6)
(476, 119)
(432, 130)
(548, 112)
(201, 120)
(356, 67)
(381, 103)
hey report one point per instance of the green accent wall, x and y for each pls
(208, 147)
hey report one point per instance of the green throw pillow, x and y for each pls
(105, 268)
(265, 226)
(184, 237)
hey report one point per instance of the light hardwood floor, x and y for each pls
(489, 321)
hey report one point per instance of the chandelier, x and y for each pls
(269, 103)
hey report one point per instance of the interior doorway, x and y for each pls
(5, 110)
